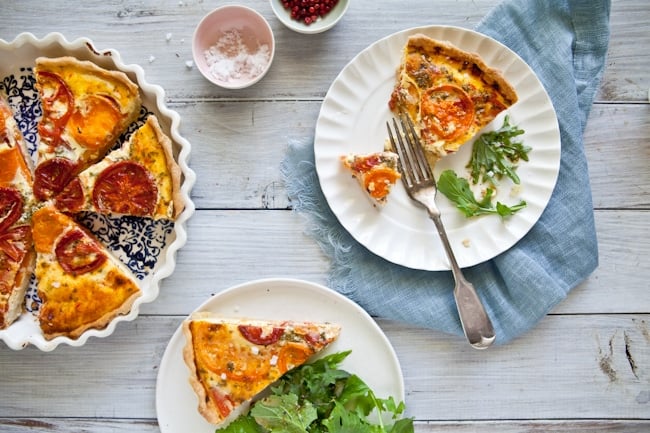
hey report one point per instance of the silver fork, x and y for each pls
(420, 185)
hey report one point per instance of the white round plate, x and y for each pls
(283, 299)
(353, 120)
(147, 247)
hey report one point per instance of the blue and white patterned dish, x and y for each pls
(146, 246)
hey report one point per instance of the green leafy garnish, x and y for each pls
(496, 153)
(321, 398)
(458, 191)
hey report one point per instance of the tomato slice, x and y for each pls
(52, 176)
(256, 335)
(126, 187)
(77, 253)
(378, 181)
(15, 242)
(223, 402)
(58, 102)
(11, 207)
(447, 110)
(292, 355)
(95, 122)
(71, 198)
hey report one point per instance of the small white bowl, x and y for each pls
(241, 44)
(322, 24)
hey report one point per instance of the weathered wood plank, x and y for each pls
(74, 425)
(594, 366)
(237, 148)
(138, 31)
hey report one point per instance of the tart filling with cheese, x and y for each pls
(141, 178)
(16, 252)
(232, 360)
(80, 283)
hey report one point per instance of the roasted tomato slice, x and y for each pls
(126, 187)
(257, 335)
(223, 402)
(58, 104)
(292, 355)
(11, 207)
(71, 198)
(378, 181)
(52, 176)
(94, 123)
(447, 110)
(77, 253)
(15, 242)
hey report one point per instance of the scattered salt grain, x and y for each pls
(168, 37)
(230, 58)
(189, 64)
(152, 59)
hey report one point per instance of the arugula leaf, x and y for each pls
(496, 153)
(284, 413)
(458, 191)
(322, 398)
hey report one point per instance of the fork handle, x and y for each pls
(476, 323)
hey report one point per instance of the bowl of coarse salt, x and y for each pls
(233, 46)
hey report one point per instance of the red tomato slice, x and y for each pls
(78, 254)
(222, 401)
(15, 242)
(58, 103)
(71, 198)
(52, 176)
(126, 187)
(11, 207)
(93, 125)
(255, 335)
(447, 110)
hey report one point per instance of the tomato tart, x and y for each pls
(85, 110)
(141, 178)
(376, 173)
(450, 94)
(231, 360)
(16, 252)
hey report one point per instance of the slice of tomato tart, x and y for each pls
(376, 173)
(141, 178)
(16, 252)
(450, 94)
(85, 110)
(81, 284)
(231, 360)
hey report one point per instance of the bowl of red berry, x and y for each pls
(309, 16)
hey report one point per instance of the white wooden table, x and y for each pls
(585, 367)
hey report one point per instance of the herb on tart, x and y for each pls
(321, 398)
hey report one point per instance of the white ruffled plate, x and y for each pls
(147, 247)
(353, 119)
(373, 358)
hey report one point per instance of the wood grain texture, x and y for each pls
(584, 368)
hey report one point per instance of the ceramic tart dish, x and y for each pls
(146, 246)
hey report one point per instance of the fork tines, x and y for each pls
(412, 161)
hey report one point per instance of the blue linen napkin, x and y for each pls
(565, 43)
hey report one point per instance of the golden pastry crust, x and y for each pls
(231, 360)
